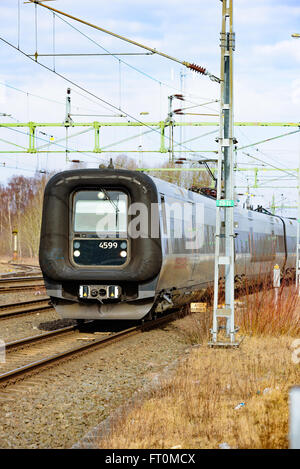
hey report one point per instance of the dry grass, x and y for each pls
(196, 407)
(261, 314)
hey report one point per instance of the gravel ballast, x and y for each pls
(27, 325)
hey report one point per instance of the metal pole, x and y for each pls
(68, 119)
(228, 175)
(214, 331)
(171, 138)
(298, 233)
(15, 244)
(182, 118)
(226, 154)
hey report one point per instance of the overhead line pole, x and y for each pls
(298, 233)
(225, 163)
(296, 35)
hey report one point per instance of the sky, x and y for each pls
(266, 82)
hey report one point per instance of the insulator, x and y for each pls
(197, 68)
(179, 96)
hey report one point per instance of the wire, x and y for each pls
(53, 100)
(53, 33)
(260, 151)
(36, 27)
(31, 94)
(191, 66)
(4, 165)
(117, 58)
(269, 164)
(87, 91)
(19, 24)
(90, 100)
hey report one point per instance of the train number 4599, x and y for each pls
(108, 245)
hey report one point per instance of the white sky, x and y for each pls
(267, 80)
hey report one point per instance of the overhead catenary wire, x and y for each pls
(36, 30)
(263, 162)
(19, 23)
(108, 52)
(122, 60)
(4, 165)
(53, 39)
(36, 5)
(27, 93)
(85, 90)
(267, 156)
(262, 152)
(269, 164)
(191, 66)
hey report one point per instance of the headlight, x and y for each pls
(123, 254)
(76, 253)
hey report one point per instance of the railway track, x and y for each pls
(29, 267)
(26, 307)
(37, 357)
(8, 285)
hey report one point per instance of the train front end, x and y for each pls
(96, 253)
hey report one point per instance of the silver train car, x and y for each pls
(119, 244)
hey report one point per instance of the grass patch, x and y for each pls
(260, 313)
(196, 408)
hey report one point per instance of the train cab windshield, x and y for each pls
(99, 228)
(102, 212)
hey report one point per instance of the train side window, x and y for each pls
(164, 215)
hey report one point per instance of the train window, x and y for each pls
(164, 215)
(100, 212)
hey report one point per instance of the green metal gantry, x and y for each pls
(159, 127)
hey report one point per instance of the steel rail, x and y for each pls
(59, 357)
(38, 338)
(27, 307)
(19, 283)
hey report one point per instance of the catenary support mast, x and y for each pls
(224, 245)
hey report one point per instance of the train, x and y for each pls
(122, 245)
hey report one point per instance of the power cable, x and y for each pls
(191, 66)
(117, 58)
(86, 91)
